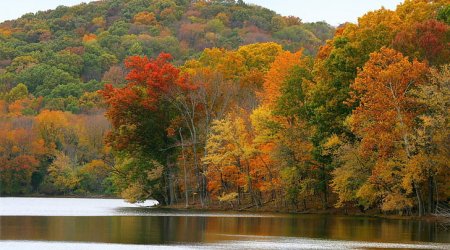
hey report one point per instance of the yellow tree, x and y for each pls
(63, 173)
(51, 126)
(432, 137)
(230, 149)
(413, 11)
(260, 55)
(258, 58)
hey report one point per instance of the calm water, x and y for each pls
(48, 223)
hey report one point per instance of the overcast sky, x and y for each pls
(332, 11)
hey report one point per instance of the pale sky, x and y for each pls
(334, 12)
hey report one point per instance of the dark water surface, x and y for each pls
(150, 228)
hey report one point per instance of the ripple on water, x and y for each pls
(268, 243)
(62, 223)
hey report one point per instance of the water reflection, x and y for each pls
(266, 243)
(59, 223)
(148, 211)
(190, 229)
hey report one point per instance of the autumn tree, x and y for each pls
(139, 117)
(230, 149)
(214, 81)
(384, 120)
(20, 154)
(276, 76)
(53, 128)
(427, 40)
(265, 164)
(63, 174)
(145, 18)
(431, 158)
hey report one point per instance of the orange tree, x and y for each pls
(384, 121)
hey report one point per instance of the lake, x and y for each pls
(72, 223)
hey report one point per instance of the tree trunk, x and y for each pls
(165, 193)
(430, 193)
(249, 184)
(204, 193)
(239, 197)
(419, 199)
(171, 189)
(273, 193)
(198, 171)
(170, 181)
(186, 197)
(325, 188)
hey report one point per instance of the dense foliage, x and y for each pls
(58, 59)
(61, 54)
(363, 123)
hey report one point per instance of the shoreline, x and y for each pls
(269, 210)
(330, 211)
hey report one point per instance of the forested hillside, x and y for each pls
(62, 53)
(248, 121)
(52, 64)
